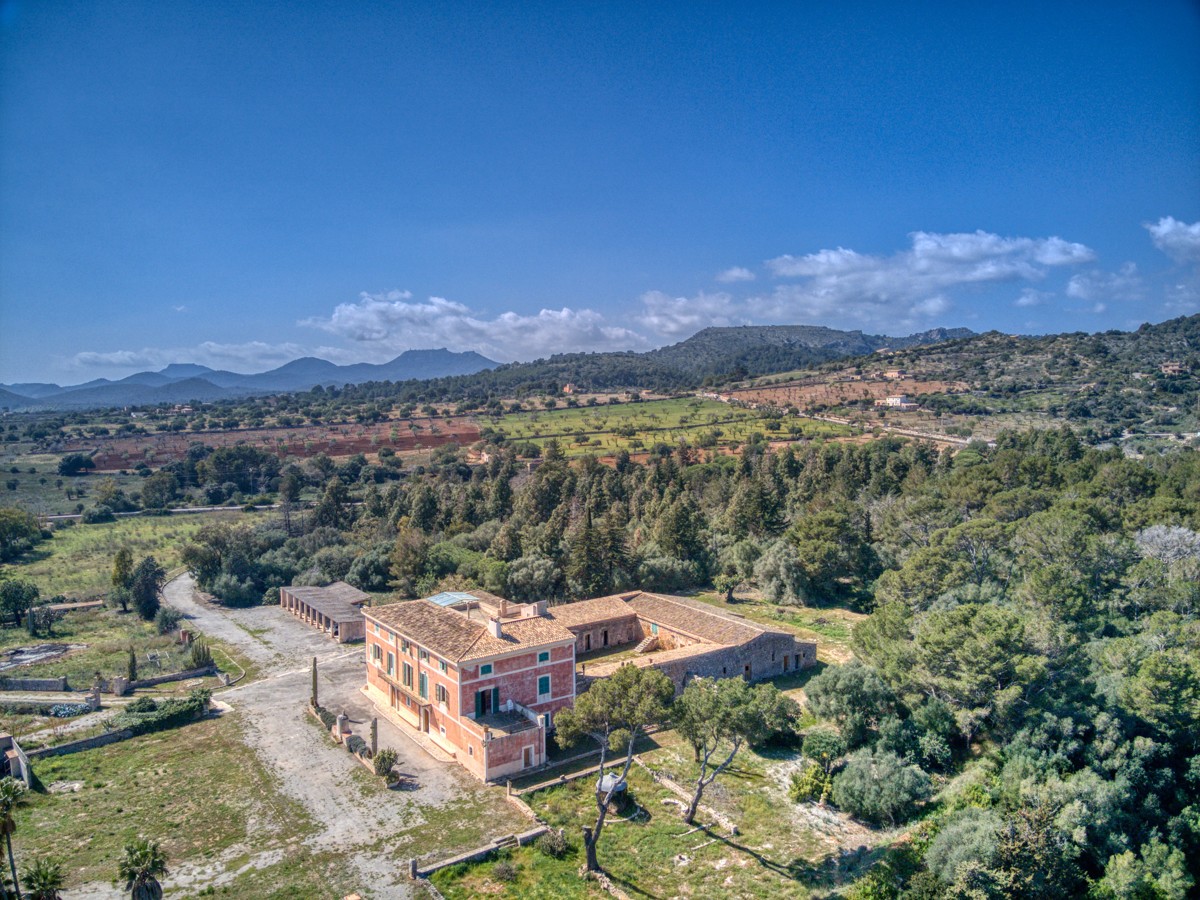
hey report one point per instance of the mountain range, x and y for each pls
(188, 382)
(756, 349)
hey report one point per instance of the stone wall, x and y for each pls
(100, 740)
(16, 763)
(33, 684)
(766, 656)
(625, 630)
(176, 676)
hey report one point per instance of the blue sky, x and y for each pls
(238, 184)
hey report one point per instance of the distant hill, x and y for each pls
(713, 355)
(187, 382)
(1147, 380)
(764, 349)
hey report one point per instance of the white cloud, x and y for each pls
(1102, 287)
(1183, 298)
(391, 322)
(119, 359)
(252, 356)
(735, 274)
(912, 286)
(1031, 297)
(677, 316)
(1178, 240)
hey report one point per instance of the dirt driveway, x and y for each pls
(375, 830)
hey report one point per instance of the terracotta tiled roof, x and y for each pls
(453, 636)
(589, 612)
(697, 619)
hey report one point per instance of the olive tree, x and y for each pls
(615, 711)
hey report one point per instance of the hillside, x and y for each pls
(777, 348)
(1112, 383)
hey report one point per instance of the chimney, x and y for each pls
(503, 608)
(494, 628)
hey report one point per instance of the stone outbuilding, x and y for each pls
(335, 609)
(684, 638)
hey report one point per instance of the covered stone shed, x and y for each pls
(335, 609)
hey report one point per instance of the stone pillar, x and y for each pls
(374, 736)
(94, 698)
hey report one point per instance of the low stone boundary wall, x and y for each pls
(100, 740)
(526, 837)
(177, 676)
(683, 793)
(33, 684)
(561, 779)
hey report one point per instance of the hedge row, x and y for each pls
(164, 714)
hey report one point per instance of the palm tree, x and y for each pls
(141, 867)
(11, 792)
(43, 879)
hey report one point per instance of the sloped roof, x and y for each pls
(583, 613)
(450, 598)
(697, 619)
(339, 590)
(339, 601)
(453, 636)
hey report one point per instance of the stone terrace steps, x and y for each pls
(649, 642)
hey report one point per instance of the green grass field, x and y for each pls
(196, 789)
(77, 561)
(37, 486)
(103, 638)
(638, 426)
(780, 850)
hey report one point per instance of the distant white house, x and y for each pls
(898, 401)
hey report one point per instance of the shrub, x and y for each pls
(327, 718)
(201, 657)
(167, 714)
(141, 705)
(356, 745)
(876, 786)
(167, 619)
(98, 514)
(504, 871)
(384, 761)
(554, 844)
(810, 785)
(68, 710)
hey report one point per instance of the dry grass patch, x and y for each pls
(196, 789)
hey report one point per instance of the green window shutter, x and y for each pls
(495, 699)
(479, 703)
(543, 685)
